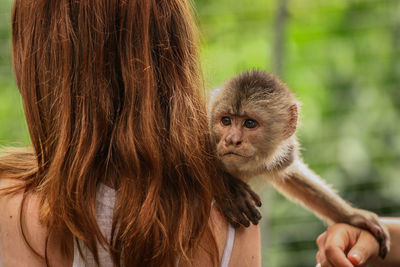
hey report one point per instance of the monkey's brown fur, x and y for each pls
(253, 118)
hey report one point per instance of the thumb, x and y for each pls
(365, 247)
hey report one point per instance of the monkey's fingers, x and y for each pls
(253, 214)
(255, 197)
(234, 215)
(375, 229)
(230, 218)
(244, 221)
(246, 190)
(238, 218)
(245, 202)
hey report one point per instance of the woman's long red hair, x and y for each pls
(111, 93)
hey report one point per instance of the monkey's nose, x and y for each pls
(232, 141)
(237, 143)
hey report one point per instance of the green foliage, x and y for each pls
(13, 130)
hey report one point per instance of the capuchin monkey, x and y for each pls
(253, 119)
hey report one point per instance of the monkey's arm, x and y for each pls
(299, 183)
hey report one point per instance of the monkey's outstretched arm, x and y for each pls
(300, 184)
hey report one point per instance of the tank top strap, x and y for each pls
(230, 239)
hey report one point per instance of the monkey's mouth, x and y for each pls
(234, 154)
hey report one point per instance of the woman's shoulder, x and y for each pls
(23, 239)
(246, 251)
(24, 246)
(14, 250)
(22, 235)
(247, 247)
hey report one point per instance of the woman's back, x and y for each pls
(14, 251)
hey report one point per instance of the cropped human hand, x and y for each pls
(342, 245)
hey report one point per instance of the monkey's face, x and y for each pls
(238, 139)
(250, 118)
(249, 136)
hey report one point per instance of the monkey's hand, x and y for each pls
(369, 221)
(239, 204)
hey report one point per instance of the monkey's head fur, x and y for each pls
(253, 119)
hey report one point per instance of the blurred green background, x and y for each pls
(340, 57)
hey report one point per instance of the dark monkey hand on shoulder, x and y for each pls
(253, 119)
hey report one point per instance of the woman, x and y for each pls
(120, 172)
(343, 245)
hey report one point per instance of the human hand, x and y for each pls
(369, 221)
(342, 245)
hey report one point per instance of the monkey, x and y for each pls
(252, 120)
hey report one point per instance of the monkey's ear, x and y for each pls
(291, 121)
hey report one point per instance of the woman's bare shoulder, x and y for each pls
(247, 247)
(247, 244)
(14, 251)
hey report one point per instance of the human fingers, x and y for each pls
(324, 264)
(321, 260)
(333, 244)
(320, 257)
(335, 257)
(321, 240)
(365, 248)
(370, 222)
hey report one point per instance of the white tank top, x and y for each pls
(105, 201)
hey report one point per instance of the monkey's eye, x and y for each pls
(249, 123)
(226, 121)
